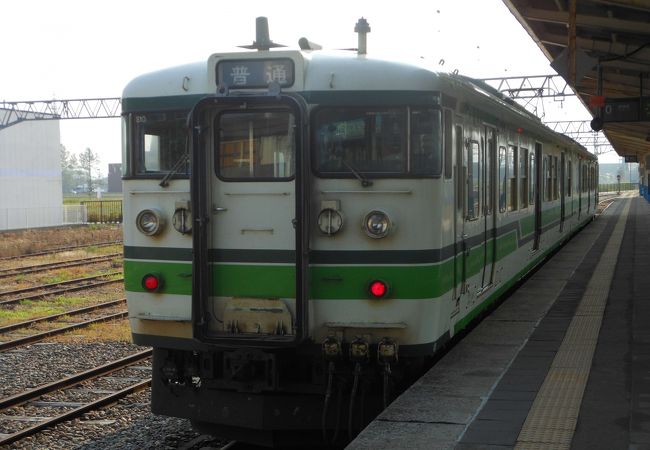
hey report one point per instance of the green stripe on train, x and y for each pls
(326, 282)
(337, 283)
(504, 287)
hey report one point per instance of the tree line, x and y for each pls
(80, 172)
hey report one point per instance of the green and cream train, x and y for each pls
(305, 226)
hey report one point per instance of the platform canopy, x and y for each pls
(602, 49)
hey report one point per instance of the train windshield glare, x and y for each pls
(378, 141)
(160, 142)
(256, 145)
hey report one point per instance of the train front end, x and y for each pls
(285, 249)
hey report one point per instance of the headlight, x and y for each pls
(377, 224)
(150, 222)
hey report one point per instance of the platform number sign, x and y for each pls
(255, 73)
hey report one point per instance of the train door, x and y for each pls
(488, 214)
(460, 263)
(473, 223)
(562, 188)
(248, 190)
(569, 185)
(538, 195)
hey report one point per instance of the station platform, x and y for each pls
(564, 362)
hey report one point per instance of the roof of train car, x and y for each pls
(347, 71)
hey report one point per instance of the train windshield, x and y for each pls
(378, 142)
(256, 145)
(160, 141)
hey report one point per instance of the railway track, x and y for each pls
(17, 295)
(24, 339)
(60, 250)
(208, 442)
(34, 410)
(23, 270)
(604, 201)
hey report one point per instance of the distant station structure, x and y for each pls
(30, 174)
(30, 159)
(115, 177)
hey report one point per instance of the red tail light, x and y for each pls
(151, 282)
(378, 289)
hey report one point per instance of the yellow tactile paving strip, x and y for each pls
(552, 419)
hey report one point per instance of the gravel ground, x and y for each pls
(127, 425)
(37, 364)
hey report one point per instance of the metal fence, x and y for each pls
(103, 211)
(73, 214)
(18, 218)
(616, 187)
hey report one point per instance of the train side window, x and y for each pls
(127, 164)
(473, 180)
(548, 178)
(512, 175)
(503, 179)
(378, 142)
(448, 138)
(579, 178)
(533, 177)
(160, 141)
(569, 189)
(523, 176)
(426, 139)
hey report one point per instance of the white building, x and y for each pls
(30, 175)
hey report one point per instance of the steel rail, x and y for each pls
(72, 312)
(59, 291)
(60, 249)
(73, 380)
(31, 394)
(14, 271)
(107, 400)
(198, 442)
(45, 334)
(60, 283)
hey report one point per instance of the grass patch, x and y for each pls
(23, 242)
(114, 331)
(34, 309)
(19, 314)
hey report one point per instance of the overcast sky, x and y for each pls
(69, 49)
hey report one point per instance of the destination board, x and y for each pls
(255, 73)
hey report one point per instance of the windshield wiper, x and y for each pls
(175, 168)
(364, 181)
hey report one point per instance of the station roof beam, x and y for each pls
(602, 49)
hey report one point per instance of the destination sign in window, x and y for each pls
(255, 73)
